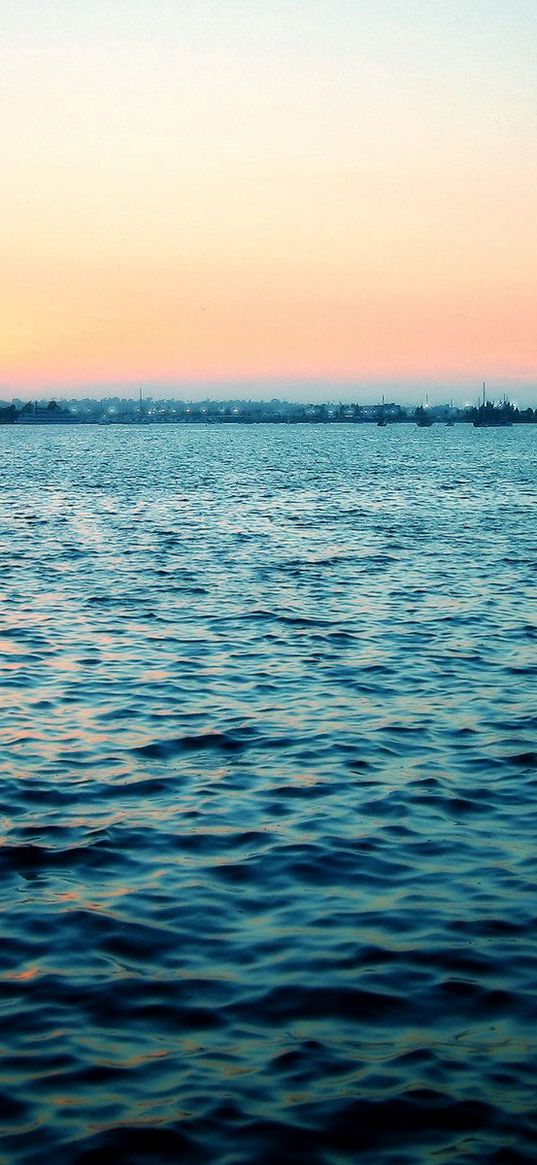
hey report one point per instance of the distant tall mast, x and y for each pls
(484, 392)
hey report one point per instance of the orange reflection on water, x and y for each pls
(141, 1058)
(308, 779)
(22, 976)
(54, 597)
(24, 734)
(8, 647)
(63, 663)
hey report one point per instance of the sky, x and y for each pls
(305, 198)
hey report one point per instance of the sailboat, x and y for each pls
(381, 415)
(490, 416)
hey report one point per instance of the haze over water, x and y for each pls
(268, 795)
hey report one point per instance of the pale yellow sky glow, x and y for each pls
(231, 190)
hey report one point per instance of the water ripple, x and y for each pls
(269, 796)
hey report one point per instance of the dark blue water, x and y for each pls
(268, 795)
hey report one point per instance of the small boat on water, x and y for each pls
(488, 423)
(380, 414)
(422, 418)
(491, 416)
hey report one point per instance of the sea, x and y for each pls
(268, 795)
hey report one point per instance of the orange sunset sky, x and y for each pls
(280, 194)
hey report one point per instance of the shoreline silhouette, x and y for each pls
(143, 412)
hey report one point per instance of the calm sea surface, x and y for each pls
(268, 797)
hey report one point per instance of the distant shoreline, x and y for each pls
(76, 424)
(114, 411)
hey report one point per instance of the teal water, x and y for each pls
(268, 795)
